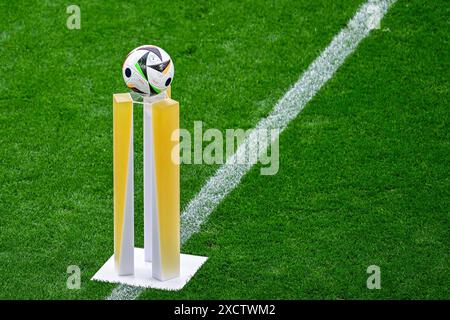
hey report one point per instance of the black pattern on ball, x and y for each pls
(168, 81)
(128, 72)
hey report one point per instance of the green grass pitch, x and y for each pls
(364, 169)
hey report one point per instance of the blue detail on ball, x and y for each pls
(128, 72)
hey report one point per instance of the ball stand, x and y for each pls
(159, 264)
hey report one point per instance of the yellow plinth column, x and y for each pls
(165, 190)
(123, 184)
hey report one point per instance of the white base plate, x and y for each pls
(142, 277)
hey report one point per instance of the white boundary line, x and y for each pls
(229, 175)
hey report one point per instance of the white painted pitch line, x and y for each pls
(229, 175)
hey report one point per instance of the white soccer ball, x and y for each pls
(148, 70)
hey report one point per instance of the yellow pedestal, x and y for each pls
(161, 186)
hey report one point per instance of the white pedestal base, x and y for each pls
(143, 272)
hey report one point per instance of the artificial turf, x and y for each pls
(363, 170)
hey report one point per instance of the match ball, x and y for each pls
(148, 70)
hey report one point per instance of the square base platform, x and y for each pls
(142, 277)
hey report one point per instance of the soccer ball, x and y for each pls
(148, 70)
